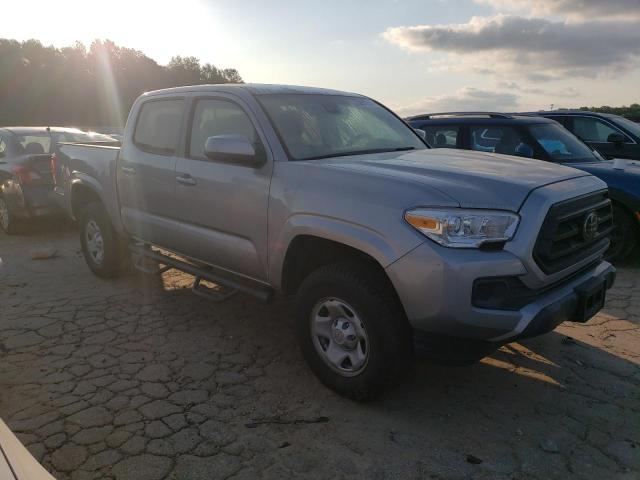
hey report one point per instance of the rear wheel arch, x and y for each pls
(81, 196)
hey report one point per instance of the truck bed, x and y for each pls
(84, 163)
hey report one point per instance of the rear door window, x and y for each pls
(158, 126)
(499, 139)
(35, 143)
(441, 136)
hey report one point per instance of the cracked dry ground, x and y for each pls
(139, 379)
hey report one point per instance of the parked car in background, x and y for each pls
(612, 135)
(26, 181)
(543, 139)
(329, 196)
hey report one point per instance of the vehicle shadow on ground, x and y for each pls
(518, 373)
(44, 226)
(580, 398)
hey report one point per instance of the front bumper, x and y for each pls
(435, 286)
(568, 307)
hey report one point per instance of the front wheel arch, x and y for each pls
(623, 218)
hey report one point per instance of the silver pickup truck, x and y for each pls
(386, 244)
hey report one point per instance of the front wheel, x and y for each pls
(352, 330)
(104, 251)
(624, 236)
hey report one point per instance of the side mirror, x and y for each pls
(422, 133)
(616, 138)
(233, 149)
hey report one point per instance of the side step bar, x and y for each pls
(208, 273)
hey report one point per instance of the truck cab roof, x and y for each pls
(251, 88)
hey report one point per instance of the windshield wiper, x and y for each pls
(360, 152)
(403, 149)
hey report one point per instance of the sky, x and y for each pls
(415, 56)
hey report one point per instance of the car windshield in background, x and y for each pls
(633, 127)
(561, 145)
(320, 126)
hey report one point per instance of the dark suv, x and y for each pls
(612, 135)
(543, 139)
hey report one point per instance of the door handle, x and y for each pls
(186, 179)
(128, 170)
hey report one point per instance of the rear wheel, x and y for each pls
(352, 330)
(104, 250)
(624, 236)
(8, 221)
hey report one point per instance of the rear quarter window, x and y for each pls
(441, 136)
(158, 126)
(34, 143)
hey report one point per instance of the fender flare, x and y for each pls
(83, 180)
(87, 181)
(357, 236)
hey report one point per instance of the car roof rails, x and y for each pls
(427, 116)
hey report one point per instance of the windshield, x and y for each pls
(319, 126)
(631, 126)
(561, 145)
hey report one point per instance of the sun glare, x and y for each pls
(157, 28)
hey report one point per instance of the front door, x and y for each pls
(146, 172)
(223, 206)
(595, 132)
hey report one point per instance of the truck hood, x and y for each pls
(472, 179)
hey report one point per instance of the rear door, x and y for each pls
(223, 206)
(146, 171)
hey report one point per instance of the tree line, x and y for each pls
(632, 111)
(80, 86)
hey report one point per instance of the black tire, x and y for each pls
(8, 222)
(114, 253)
(624, 236)
(367, 290)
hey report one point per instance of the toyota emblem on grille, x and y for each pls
(590, 226)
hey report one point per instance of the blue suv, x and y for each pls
(543, 139)
(612, 135)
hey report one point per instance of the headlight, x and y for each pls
(458, 228)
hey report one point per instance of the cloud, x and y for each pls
(465, 99)
(573, 9)
(538, 48)
(566, 92)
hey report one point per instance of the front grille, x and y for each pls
(571, 232)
